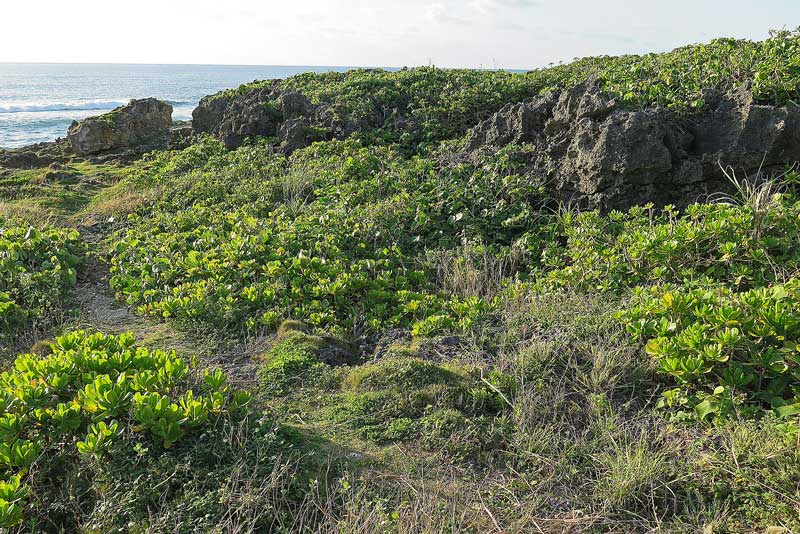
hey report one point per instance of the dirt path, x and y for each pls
(91, 304)
(99, 310)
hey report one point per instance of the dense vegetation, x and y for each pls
(333, 236)
(714, 293)
(90, 393)
(439, 346)
(37, 267)
(359, 247)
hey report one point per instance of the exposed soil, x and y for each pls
(98, 309)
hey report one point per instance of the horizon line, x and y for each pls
(351, 67)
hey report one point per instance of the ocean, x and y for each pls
(39, 101)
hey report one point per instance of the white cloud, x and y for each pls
(484, 6)
(435, 12)
(488, 6)
(441, 13)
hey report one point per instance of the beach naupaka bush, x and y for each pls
(88, 394)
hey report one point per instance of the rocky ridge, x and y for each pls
(591, 152)
(586, 148)
(269, 111)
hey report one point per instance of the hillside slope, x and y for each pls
(446, 339)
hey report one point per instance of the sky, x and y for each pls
(387, 33)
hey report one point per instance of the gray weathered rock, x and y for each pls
(294, 134)
(295, 105)
(267, 111)
(745, 135)
(590, 152)
(21, 159)
(522, 122)
(234, 117)
(180, 135)
(141, 123)
(35, 156)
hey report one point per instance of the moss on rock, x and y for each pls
(288, 326)
(290, 361)
(401, 373)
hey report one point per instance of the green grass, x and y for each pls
(63, 194)
(580, 433)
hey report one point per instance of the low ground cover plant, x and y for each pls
(37, 268)
(716, 243)
(335, 237)
(713, 293)
(88, 395)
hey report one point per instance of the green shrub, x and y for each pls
(102, 388)
(37, 267)
(723, 243)
(343, 255)
(233, 243)
(289, 326)
(391, 400)
(400, 374)
(736, 343)
(462, 437)
(714, 294)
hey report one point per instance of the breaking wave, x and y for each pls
(75, 106)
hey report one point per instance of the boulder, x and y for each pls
(141, 124)
(522, 122)
(20, 159)
(738, 132)
(294, 134)
(180, 135)
(590, 152)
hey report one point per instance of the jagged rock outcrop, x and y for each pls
(268, 111)
(295, 105)
(180, 135)
(142, 124)
(36, 156)
(589, 151)
(294, 134)
(233, 118)
(583, 145)
(22, 159)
